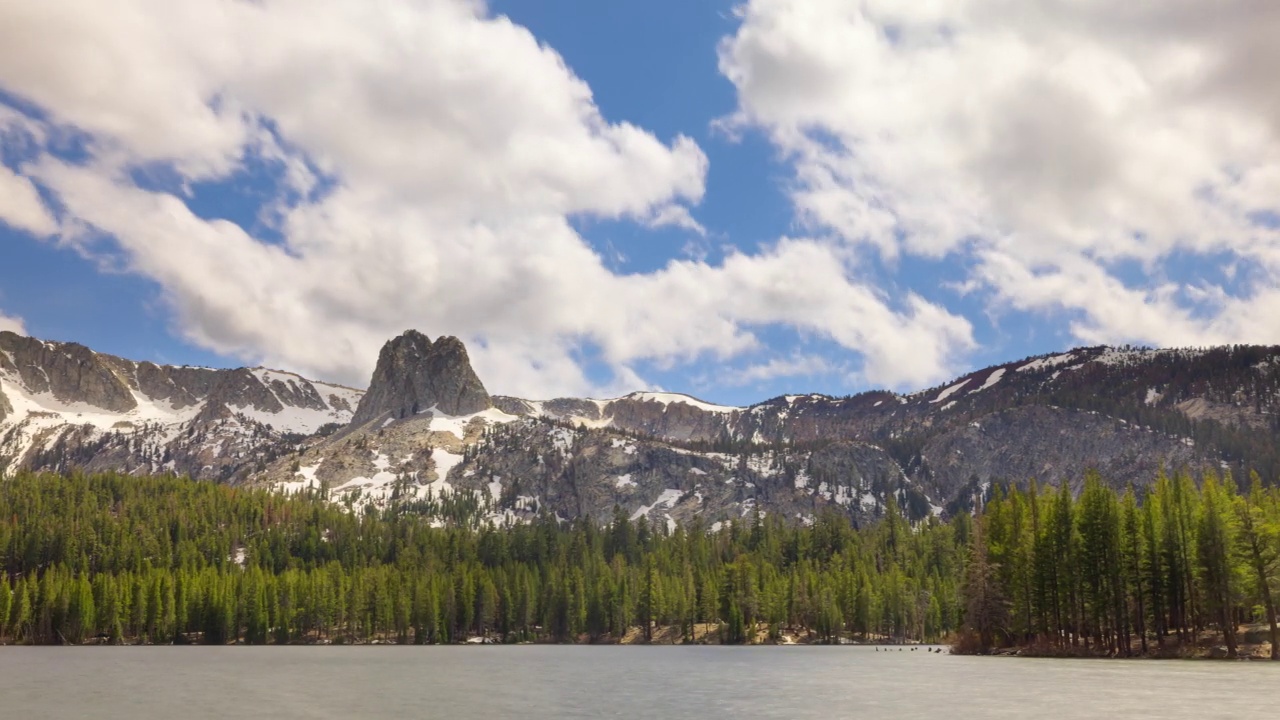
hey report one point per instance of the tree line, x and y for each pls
(117, 558)
(1124, 573)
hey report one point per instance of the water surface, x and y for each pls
(623, 682)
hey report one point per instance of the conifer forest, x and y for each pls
(109, 558)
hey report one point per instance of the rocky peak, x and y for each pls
(415, 374)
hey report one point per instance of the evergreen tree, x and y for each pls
(984, 601)
(1259, 540)
(1214, 552)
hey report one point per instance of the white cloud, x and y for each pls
(9, 323)
(21, 206)
(527, 293)
(1045, 143)
(778, 367)
(453, 149)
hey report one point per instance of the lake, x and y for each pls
(542, 681)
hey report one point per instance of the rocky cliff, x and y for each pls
(415, 374)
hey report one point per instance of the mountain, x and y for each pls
(63, 405)
(428, 437)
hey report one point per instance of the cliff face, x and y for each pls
(415, 374)
(67, 371)
(427, 433)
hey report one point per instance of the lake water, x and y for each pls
(625, 682)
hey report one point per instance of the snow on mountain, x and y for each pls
(666, 456)
(152, 418)
(36, 417)
(949, 391)
(667, 398)
(991, 381)
(1048, 362)
(303, 421)
(457, 424)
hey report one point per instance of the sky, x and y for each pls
(731, 198)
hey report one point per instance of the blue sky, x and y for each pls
(732, 199)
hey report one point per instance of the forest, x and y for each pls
(1110, 574)
(108, 558)
(115, 558)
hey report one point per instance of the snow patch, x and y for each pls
(627, 447)
(668, 398)
(1045, 363)
(376, 489)
(308, 481)
(293, 419)
(562, 439)
(949, 391)
(444, 462)
(992, 379)
(667, 499)
(457, 424)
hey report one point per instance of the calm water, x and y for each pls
(593, 682)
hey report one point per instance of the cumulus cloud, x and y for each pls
(432, 157)
(12, 324)
(1049, 145)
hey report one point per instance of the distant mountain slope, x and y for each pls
(429, 436)
(63, 405)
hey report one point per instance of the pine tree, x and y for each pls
(984, 602)
(83, 614)
(1132, 551)
(1259, 541)
(6, 602)
(1100, 560)
(648, 600)
(22, 613)
(1213, 554)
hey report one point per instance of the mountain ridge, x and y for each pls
(427, 435)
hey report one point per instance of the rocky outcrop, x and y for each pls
(72, 373)
(181, 387)
(414, 375)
